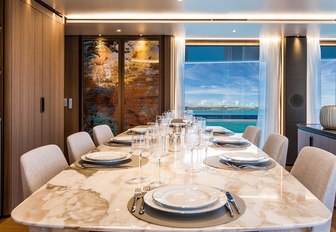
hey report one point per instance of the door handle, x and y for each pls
(42, 104)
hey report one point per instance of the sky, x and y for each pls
(212, 82)
(222, 84)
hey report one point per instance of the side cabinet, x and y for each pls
(306, 138)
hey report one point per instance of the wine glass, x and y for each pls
(192, 140)
(206, 137)
(138, 147)
(157, 149)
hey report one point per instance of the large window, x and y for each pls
(328, 75)
(222, 84)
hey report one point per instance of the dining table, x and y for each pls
(98, 198)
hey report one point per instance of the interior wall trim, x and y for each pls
(37, 6)
(45, 5)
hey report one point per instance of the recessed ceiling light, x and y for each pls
(140, 35)
(179, 0)
(99, 35)
(118, 30)
(234, 30)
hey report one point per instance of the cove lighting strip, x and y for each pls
(201, 20)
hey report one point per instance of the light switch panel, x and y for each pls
(70, 103)
(65, 102)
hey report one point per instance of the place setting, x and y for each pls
(241, 161)
(112, 160)
(137, 130)
(123, 139)
(230, 142)
(185, 206)
(219, 131)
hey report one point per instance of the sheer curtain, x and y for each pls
(313, 80)
(178, 86)
(269, 87)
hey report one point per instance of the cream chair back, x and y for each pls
(79, 144)
(252, 134)
(316, 169)
(39, 165)
(102, 134)
(276, 146)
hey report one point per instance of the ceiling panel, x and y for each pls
(200, 9)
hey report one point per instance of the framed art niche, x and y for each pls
(125, 81)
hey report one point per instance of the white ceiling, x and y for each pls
(258, 12)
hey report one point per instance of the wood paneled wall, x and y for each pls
(34, 68)
(53, 81)
(72, 85)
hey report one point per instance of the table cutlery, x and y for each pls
(142, 207)
(232, 200)
(137, 195)
(85, 165)
(244, 166)
(228, 206)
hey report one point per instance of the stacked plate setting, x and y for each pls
(230, 141)
(106, 157)
(182, 199)
(244, 158)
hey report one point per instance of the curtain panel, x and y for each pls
(269, 87)
(313, 80)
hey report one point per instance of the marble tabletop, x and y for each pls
(96, 200)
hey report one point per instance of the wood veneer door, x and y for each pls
(53, 82)
(71, 86)
(23, 88)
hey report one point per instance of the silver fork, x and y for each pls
(142, 207)
(137, 195)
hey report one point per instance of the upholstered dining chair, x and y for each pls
(316, 170)
(79, 144)
(101, 134)
(276, 146)
(39, 165)
(252, 134)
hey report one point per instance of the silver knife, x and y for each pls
(232, 200)
(227, 205)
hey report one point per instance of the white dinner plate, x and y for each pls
(106, 156)
(244, 157)
(186, 197)
(122, 139)
(149, 200)
(107, 162)
(229, 139)
(140, 130)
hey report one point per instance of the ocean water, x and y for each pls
(235, 120)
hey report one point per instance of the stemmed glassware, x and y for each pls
(206, 137)
(138, 147)
(157, 149)
(192, 140)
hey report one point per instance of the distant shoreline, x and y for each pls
(220, 108)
